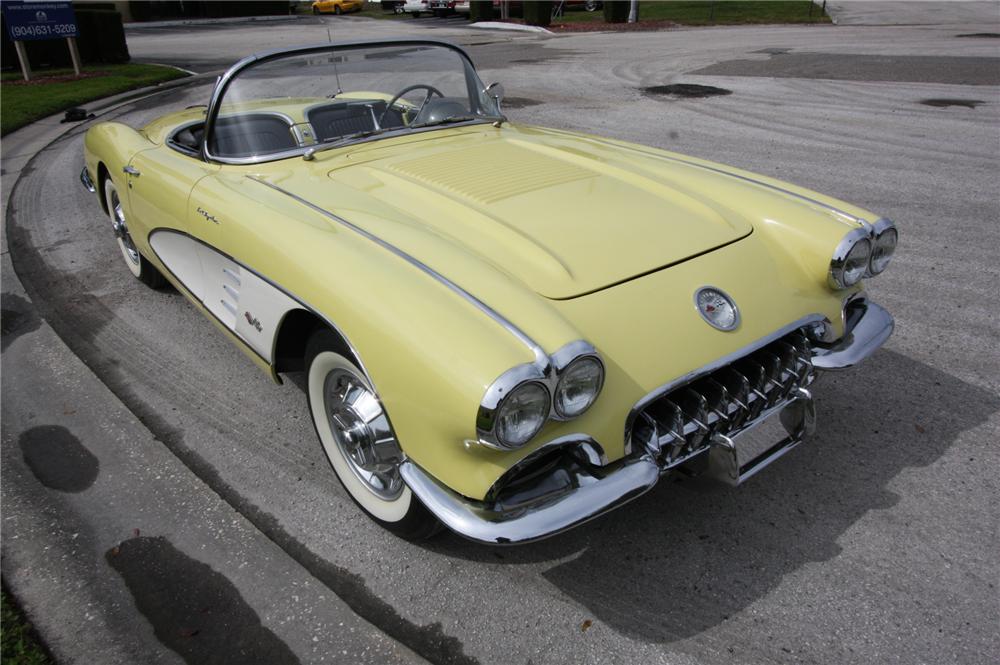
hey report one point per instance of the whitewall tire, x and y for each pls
(140, 268)
(358, 440)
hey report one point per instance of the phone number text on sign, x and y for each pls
(39, 20)
(43, 30)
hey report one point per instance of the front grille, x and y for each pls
(681, 423)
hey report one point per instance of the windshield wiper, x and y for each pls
(343, 140)
(458, 118)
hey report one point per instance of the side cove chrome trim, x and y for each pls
(536, 349)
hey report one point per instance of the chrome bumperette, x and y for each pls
(798, 417)
(546, 371)
(87, 182)
(867, 326)
(569, 481)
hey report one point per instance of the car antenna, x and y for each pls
(336, 72)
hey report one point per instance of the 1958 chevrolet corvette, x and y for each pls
(505, 329)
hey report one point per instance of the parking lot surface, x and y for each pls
(875, 542)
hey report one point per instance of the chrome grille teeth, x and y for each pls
(683, 423)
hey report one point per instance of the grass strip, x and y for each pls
(19, 645)
(50, 91)
(720, 12)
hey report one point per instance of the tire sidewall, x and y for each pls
(321, 363)
(109, 188)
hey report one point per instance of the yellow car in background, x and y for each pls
(504, 329)
(337, 6)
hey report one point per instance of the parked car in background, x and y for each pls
(442, 8)
(416, 7)
(337, 6)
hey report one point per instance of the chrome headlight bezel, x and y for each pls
(871, 234)
(549, 374)
(544, 411)
(882, 231)
(567, 373)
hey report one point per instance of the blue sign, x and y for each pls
(39, 20)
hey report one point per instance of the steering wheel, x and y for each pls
(431, 91)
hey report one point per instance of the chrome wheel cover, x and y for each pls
(362, 432)
(121, 228)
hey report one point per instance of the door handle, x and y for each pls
(131, 170)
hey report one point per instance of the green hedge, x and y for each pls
(616, 11)
(537, 13)
(481, 10)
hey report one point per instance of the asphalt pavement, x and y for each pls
(876, 542)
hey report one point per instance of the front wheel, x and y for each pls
(359, 442)
(140, 268)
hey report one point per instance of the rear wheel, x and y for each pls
(359, 442)
(336, 10)
(140, 268)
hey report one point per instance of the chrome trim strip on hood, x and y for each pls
(540, 356)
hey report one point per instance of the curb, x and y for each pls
(513, 27)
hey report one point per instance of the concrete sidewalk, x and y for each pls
(913, 12)
(116, 550)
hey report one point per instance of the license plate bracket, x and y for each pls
(735, 460)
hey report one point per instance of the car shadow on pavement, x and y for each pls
(692, 553)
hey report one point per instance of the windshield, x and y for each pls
(291, 103)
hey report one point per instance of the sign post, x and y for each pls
(29, 21)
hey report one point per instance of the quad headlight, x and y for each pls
(521, 414)
(579, 386)
(885, 246)
(518, 404)
(864, 252)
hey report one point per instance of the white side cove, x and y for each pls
(246, 304)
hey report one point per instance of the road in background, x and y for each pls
(876, 542)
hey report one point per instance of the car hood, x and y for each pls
(563, 214)
(564, 220)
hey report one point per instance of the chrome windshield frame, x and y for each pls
(265, 56)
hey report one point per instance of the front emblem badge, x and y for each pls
(717, 308)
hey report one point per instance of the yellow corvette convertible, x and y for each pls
(504, 329)
(337, 6)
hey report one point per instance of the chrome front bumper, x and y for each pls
(87, 182)
(571, 488)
